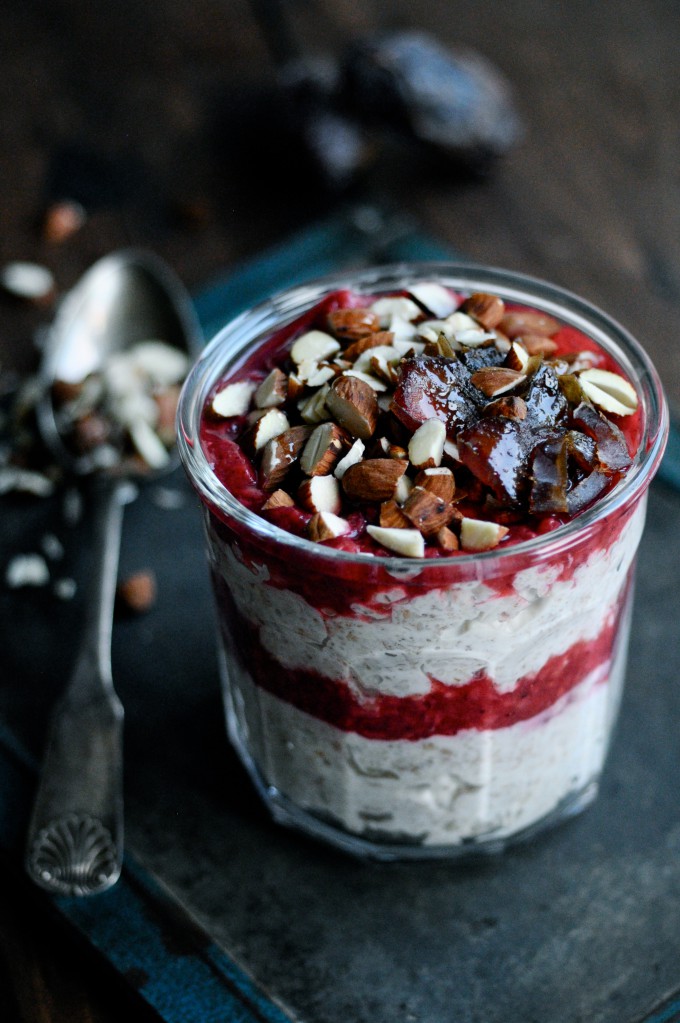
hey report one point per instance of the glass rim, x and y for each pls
(235, 341)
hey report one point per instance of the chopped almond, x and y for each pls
(374, 479)
(354, 405)
(528, 321)
(537, 344)
(354, 455)
(323, 449)
(426, 511)
(280, 453)
(494, 380)
(353, 323)
(439, 481)
(270, 425)
(517, 357)
(382, 338)
(326, 526)
(479, 535)
(426, 446)
(320, 494)
(392, 517)
(273, 390)
(233, 400)
(447, 539)
(279, 499)
(315, 345)
(511, 406)
(485, 309)
(409, 542)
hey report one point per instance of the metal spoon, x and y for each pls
(75, 839)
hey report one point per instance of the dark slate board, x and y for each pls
(221, 915)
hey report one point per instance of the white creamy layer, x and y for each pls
(447, 634)
(444, 790)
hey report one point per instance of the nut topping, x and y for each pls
(353, 403)
(478, 535)
(408, 542)
(326, 526)
(323, 449)
(272, 391)
(519, 322)
(392, 517)
(233, 400)
(485, 309)
(426, 446)
(494, 380)
(374, 479)
(438, 481)
(279, 499)
(426, 511)
(320, 494)
(353, 323)
(608, 391)
(315, 345)
(378, 340)
(280, 453)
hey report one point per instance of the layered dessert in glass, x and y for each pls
(423, 490)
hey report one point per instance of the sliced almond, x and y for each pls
(357, 348)
(279, 499)
(373, 479)
(437, 299)
(320, 374)
(354, 455)
(459, 322)
(326, 526)
(426, 511)
(495, 380)
(478, 535)
(439, 481)
(353, 403)
(315, 345)
(426, 446)
(296, 387)
(517, 356)
(485, 309)
(323, 449)
(404, 488)
(432, 330)
(280, 453)
(609, 391)
(320, 494)
(273, 390)
(351, 324)
(233, 399)
(392, 517)
(409, 542)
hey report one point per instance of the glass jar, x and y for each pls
(400, 708)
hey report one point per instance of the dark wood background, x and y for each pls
(154, 116)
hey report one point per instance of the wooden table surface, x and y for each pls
(148, 115)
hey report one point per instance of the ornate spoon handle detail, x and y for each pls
(75, 841)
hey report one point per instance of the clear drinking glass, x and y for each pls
(346, 676)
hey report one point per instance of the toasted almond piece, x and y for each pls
(280, 453)
(326, 526)
(392, 517)
(477, 338)
(62, 219)
(447, 539)
(511, 407)
(437, 480)
(431, 330)
(485, 309)
(296, 387)
(537, 344)
(137, 592)
(269, 426)
(321, 374)
(495, 380)
(368, 378)
(409, 542)
(30, 281)
(378, 340)
(354, 455)
(404, 488)
(437, 299)
(313, 408)
(272, 391)
(279, 499)
(373, 479)
(517, 357)
(516, 322)
(320, 494)
(233, 399)
(397, 308)
(323, 449)
(314, 345)
(353, 403)
(478, 535)
(610, 391)
(426, 446)
(386, 371)
(426, 511)
(385, 353)
(351, 324)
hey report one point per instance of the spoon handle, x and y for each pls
(75, 840)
